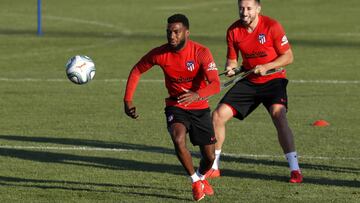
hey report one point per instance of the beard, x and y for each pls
(179, 46)
(246, 22)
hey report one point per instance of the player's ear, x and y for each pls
(187, 33)
(258, 9)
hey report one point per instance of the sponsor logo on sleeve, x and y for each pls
(211, 66)
(284, 40)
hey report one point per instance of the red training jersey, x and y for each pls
(192, 68)
(263, 45)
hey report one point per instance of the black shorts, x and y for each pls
(197, 122)
(245, 96)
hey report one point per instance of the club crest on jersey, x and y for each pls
(190, 65)
(262, 38)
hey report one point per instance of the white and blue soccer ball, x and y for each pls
(80, 69)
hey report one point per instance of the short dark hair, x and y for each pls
(179, 18)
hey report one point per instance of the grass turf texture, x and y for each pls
(46, 120)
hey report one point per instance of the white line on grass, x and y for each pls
(77, 20)
(46, 51)
(127, 31)
(327, 81)
(134, 150)
(124, 30)
(161, 80)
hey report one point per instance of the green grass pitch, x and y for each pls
(61, 142)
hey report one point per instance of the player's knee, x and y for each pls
(279, 119)
(179, 142)
(278, 113)
(178, 135)
(218, 118)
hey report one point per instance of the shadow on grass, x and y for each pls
(307, 180)
(89, 143)
(84, 187)
(91, 161)
(134, 165)
(285, 164)
(163, 150)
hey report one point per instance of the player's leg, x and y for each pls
(178, 136)
(220, 116)
(285, 136)
(207, 159)
(238, 102)
(202, 133)
(286, 140)
(275, 100)
(178, 125)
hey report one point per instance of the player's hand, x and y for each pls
(130, 109)
(188, 97)
(260, 70)
(230, 71)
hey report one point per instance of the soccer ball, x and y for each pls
(80, 69)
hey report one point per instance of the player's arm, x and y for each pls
(142, 66)
(213, 79)
(232, 54)
(131, 85)
(281, 61)
(230, 66)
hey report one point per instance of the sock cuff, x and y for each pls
(291, 154)
(194, 177)
(201, 176)
(292, 160)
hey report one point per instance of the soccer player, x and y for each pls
(190, 77)
(263, 45)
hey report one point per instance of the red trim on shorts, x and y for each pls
(234, 111)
